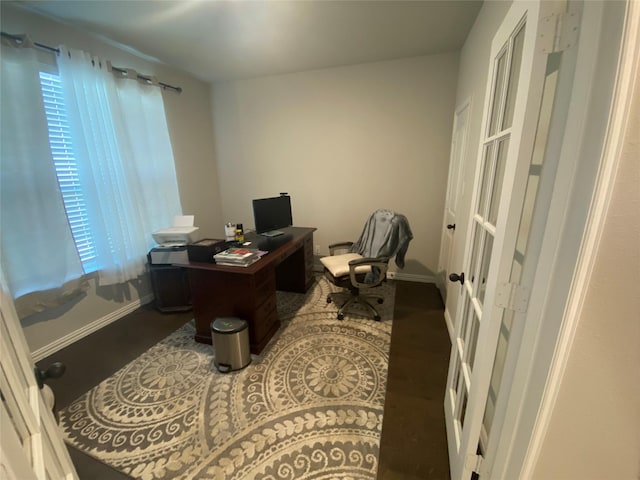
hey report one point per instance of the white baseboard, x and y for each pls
(410, 277)
(88, 329)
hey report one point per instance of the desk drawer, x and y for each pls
(264, 318)
(262, 275)
(265, 289)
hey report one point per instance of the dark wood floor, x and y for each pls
(413, 444)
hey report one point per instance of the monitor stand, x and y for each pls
(272, 233)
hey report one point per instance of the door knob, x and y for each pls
(55, 370)
(454, 277)
(451, 226)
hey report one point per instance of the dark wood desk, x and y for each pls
(250, 292)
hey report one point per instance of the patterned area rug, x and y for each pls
(308, 407)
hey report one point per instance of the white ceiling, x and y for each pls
(223, 40)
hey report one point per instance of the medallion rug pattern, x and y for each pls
(308, 407)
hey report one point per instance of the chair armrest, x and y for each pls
(377, 275)
(335, 247)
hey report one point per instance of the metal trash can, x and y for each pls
(230, 337)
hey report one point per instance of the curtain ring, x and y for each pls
(21, 40)
(120, 72)
(148, 80)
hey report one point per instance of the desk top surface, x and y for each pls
(283, 246)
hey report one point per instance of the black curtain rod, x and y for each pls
(148, 79)
(17, 38)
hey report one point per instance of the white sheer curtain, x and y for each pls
(37, 250)
(125, 158)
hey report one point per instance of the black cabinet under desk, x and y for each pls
(170, 283)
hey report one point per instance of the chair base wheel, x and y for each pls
(344, 301)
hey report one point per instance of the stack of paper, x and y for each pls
(238, 256)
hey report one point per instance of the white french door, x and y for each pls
(510, 116)
(31, 444)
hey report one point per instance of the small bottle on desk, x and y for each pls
(239, 233)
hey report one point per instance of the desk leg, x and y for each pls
(205, 291)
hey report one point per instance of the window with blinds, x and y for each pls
(64, 160)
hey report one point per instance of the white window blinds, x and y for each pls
(66, 169)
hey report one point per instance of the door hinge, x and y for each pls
(473, 462)
(559, 31)
(512, 296)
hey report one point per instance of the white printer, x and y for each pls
(182, 232)
(173, 241)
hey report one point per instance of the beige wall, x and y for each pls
(189, 120)
(593, 431)
(343, 142)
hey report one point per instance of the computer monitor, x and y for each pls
(270, 214)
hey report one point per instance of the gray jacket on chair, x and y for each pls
(385, 234)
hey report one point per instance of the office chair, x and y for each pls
(362, 265)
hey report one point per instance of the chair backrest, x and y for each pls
(385, 234)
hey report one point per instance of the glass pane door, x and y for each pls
(522, 256)
(517, 72)
(483, 227)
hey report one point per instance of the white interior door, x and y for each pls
(512, 106)
(450, 257)
(31, 446)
